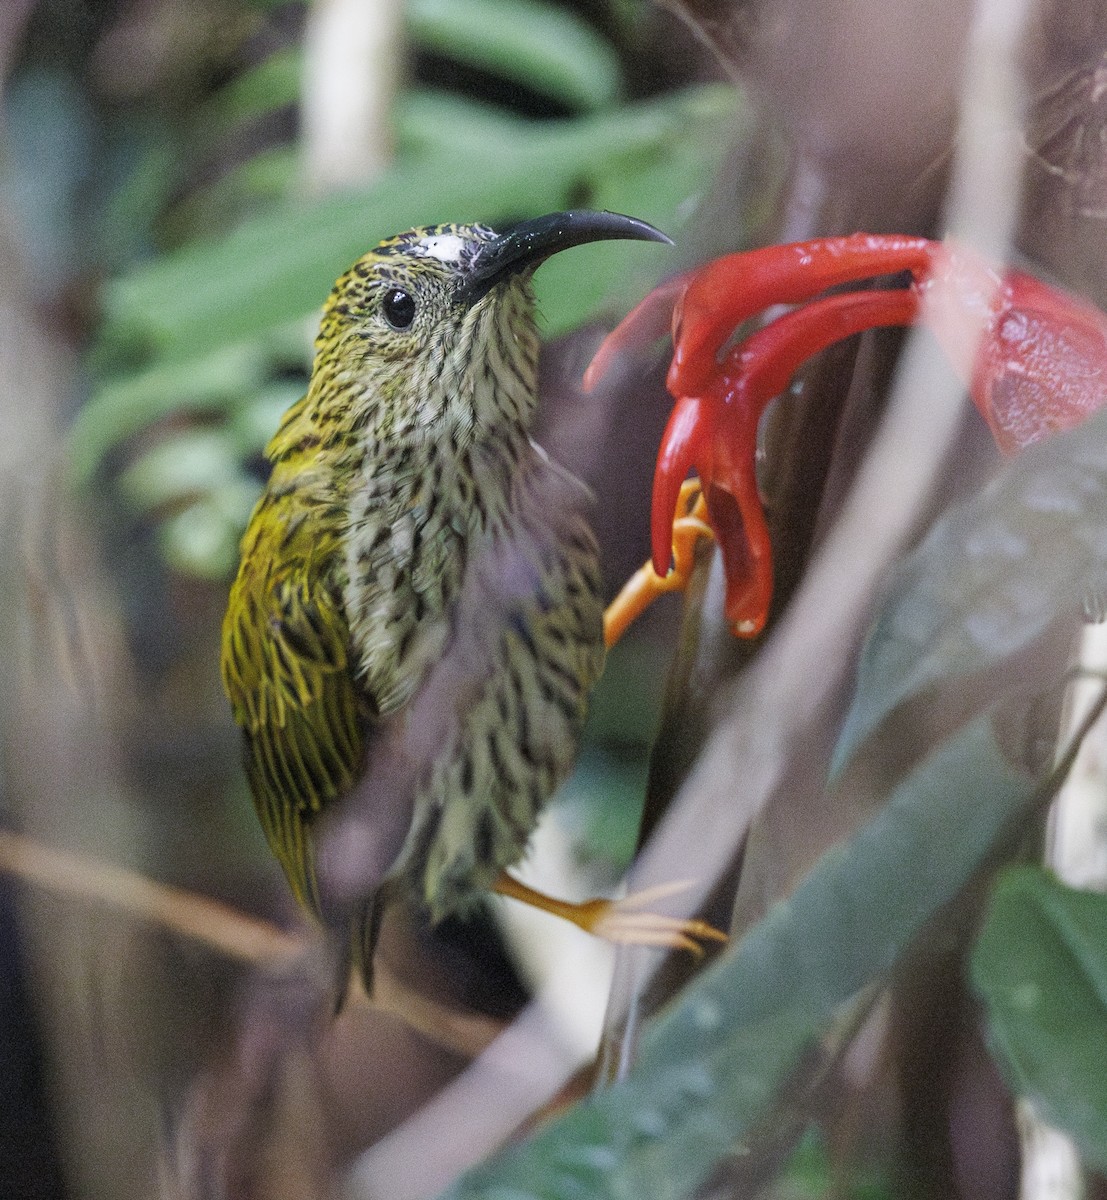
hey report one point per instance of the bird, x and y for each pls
(417, 617)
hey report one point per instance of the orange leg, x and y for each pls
(645, 585)
(622, 921)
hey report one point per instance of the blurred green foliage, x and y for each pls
(715, 1070)
(538, 45)
(810, 1174)
(989, 578)
(730, 1062)
(1040, 968)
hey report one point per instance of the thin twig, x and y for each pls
(225, 929)
(230, 932)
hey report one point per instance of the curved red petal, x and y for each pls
(767, 359)
(641, 327)
(1034, 357)
(1042, 365)
(738, 522)
(684, 439)
(732, 289)
(754, 374)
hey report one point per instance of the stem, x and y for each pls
(199, 918)
(229, 932)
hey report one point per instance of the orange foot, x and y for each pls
(645, 585)
(622, 921)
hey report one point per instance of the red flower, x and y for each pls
(1035, 359)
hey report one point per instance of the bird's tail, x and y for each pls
(361, 945)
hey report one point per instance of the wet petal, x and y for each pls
(639, 329)
(725, 293)
(685, 443)
(1042, 366)
(752, 376)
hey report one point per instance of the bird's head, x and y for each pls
(434, 329)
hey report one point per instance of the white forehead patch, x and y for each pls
(446, 247)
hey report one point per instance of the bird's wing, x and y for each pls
(287, 673)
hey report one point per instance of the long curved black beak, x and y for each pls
(530, 242)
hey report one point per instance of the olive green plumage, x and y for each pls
(404, 485)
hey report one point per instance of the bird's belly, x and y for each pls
(403, 575)
(530, 653)
(479, 627)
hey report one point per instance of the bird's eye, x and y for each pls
(398, 307)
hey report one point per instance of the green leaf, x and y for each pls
(190, 463)
(142, 170)
(272, 84)
(122, 406)
(812, 1173)
(989, 578)
(1040, 968)
(710, 1068)
(260, 180)
(202, 540)
(431, 123)
(541, 46)
(252, 424)
(280, 266)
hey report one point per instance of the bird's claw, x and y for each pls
(628, 922)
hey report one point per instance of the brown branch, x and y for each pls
(229, 932)
(199, 918)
